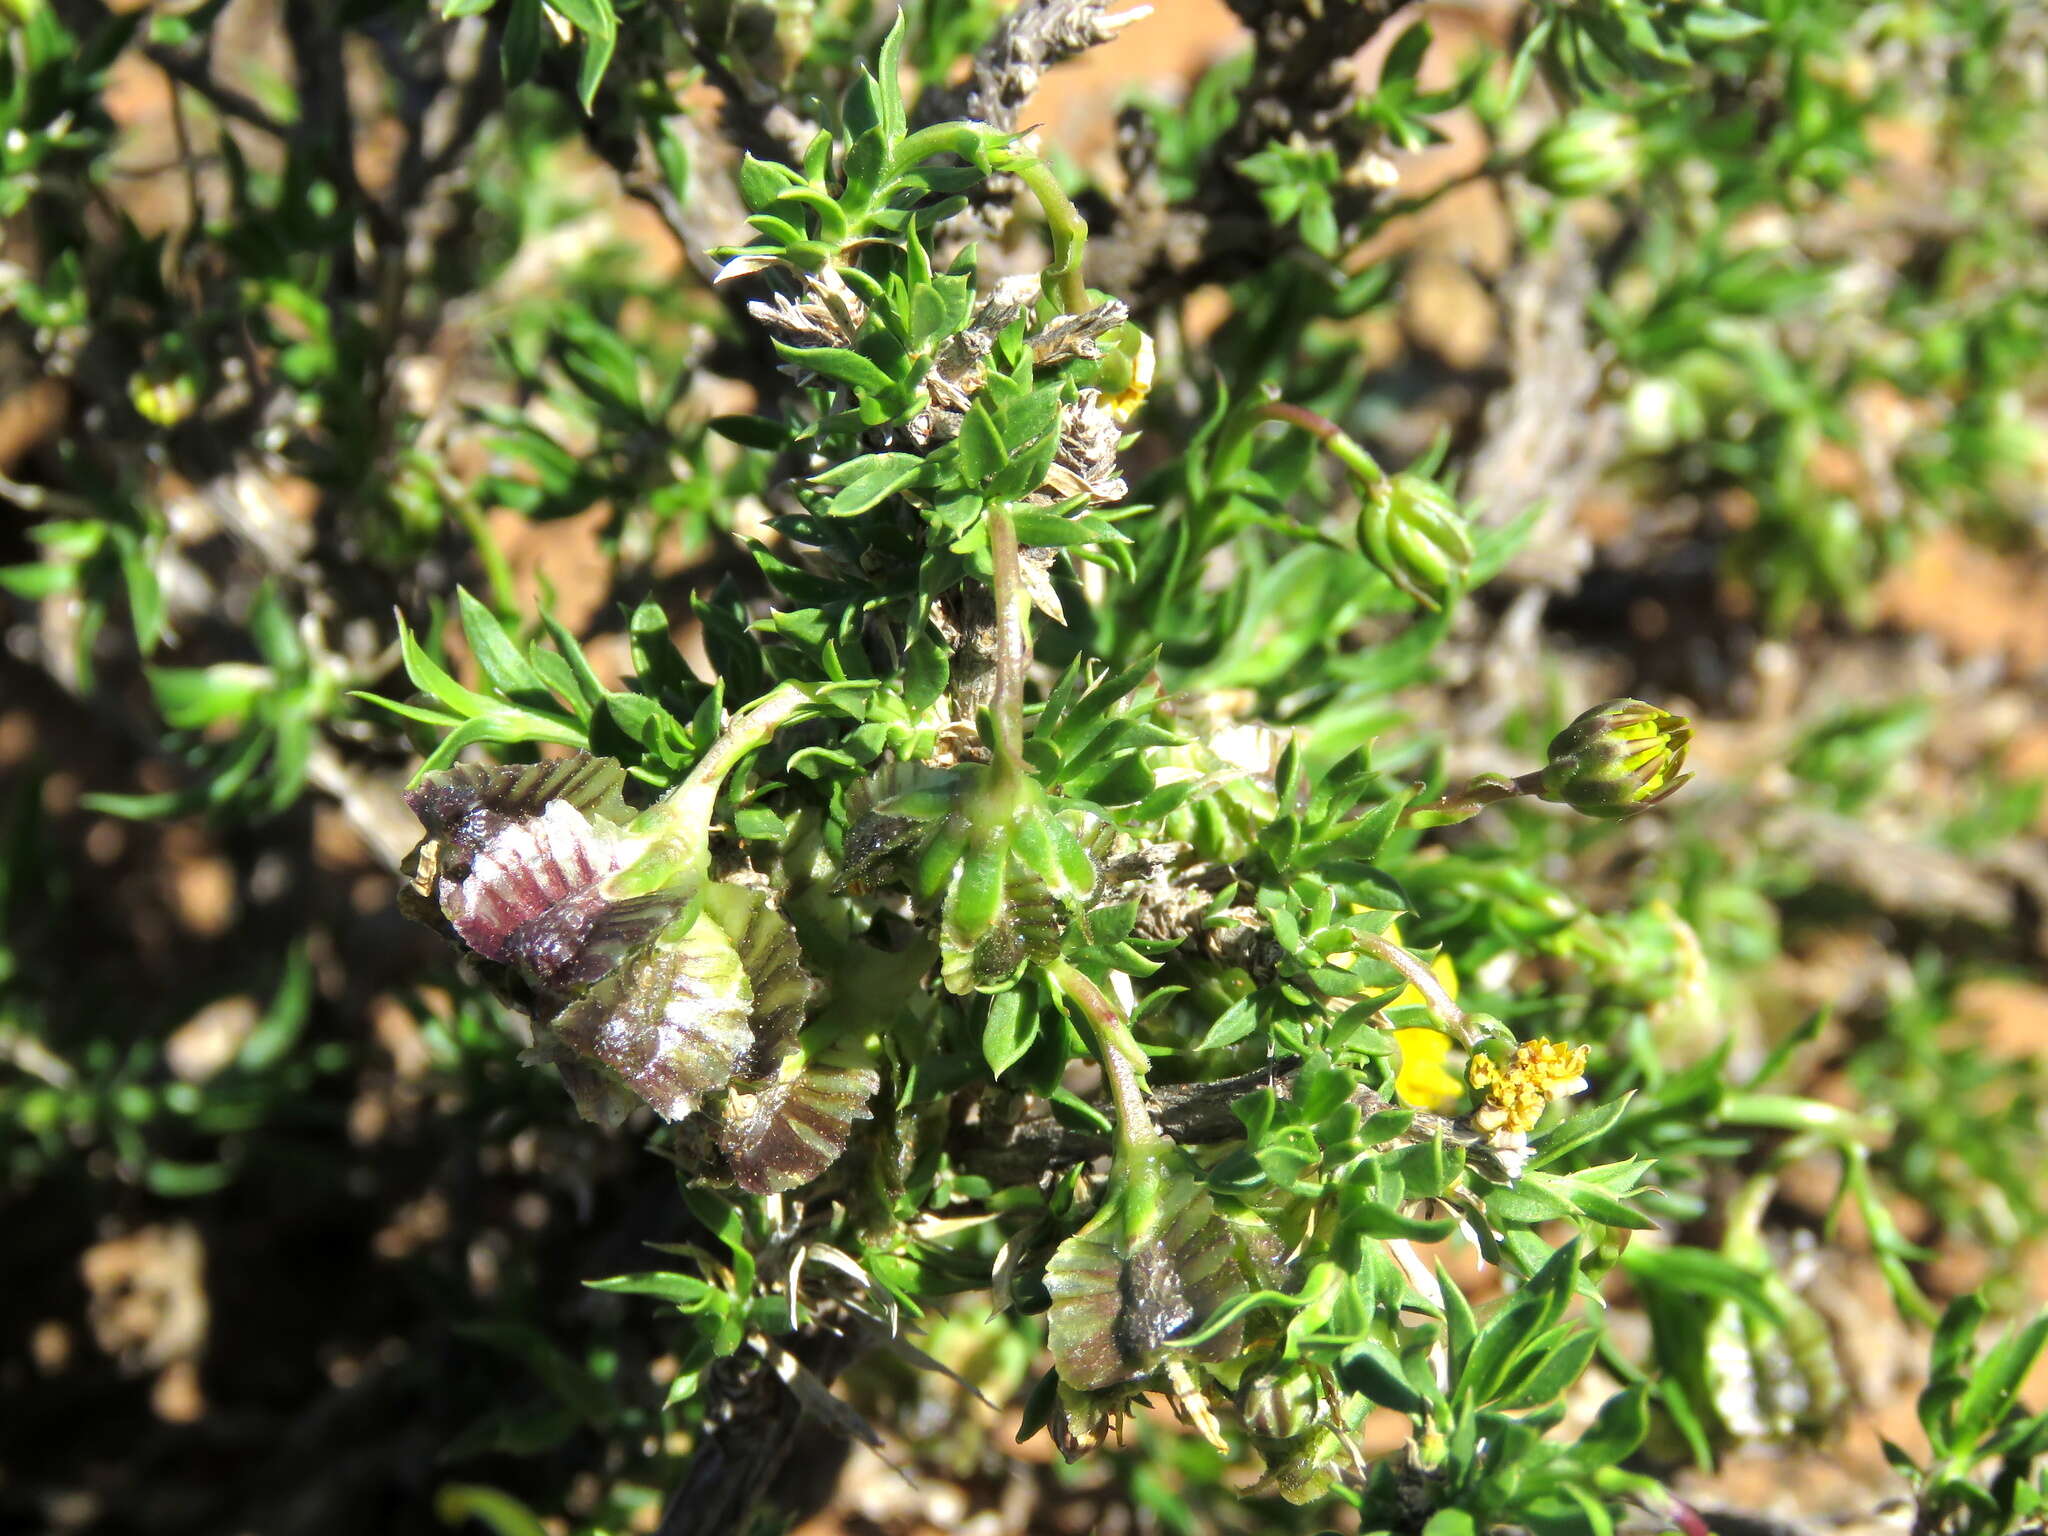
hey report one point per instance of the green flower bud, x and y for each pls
(1277, 1401)
(1413, 531)
(165, 391)
(1616, 759)
(1591, 152)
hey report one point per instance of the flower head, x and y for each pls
(1616, 759)
(1516, 1093)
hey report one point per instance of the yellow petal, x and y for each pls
(1423, 1081)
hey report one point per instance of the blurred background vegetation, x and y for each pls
(311, 310)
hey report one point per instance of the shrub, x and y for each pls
(1083, 835)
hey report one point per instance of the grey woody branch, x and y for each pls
(1033, 38)
(1193, 1114)
(1301, 92)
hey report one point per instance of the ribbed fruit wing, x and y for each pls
(671, 1021)
(534, 896)
(1121, 1299)
(783, 1131)
(468, 804)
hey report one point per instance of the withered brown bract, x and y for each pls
(784, 1131)
(785, 1119)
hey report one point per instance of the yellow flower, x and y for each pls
(1123, 402)
(1515, 1095)
(1424, 1082)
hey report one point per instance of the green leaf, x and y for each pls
(839, 363)
(889, 79)
(428, 675)
(881, 476)
(763, 432)
(521, 55)
(686, 1291)
(927, 668)
(982, 452)
(1231, 1026)
(600, 29)
(759, 824)
(497, 657)
(1371, 1370)
(1621, 1425)
(1547, 1374)
(1996, 1380)
(1008, 1034)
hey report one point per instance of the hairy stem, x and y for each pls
(1122, 1058)
(1013, 646)
(1064, 225)
(1442, 1007)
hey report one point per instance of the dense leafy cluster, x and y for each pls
(1048, 850)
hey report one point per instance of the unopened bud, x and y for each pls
(1413, 531)
(1617, 758)
(1591, 152)
(164, 392)
(1277, 1400)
